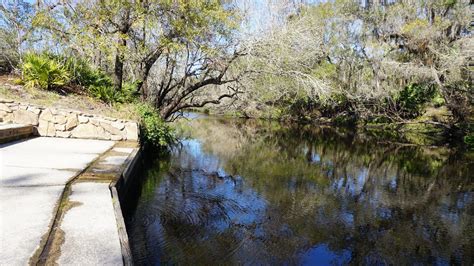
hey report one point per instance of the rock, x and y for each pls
(84, 131)
(131, 130)
(98, 121)
(63, 134)
(83, 119)
(89, 131)
(5, 108)
(102, 134)
(5, 101)
(46, 128)
(115, 137)
(60, 127)
(67, 123)
(60, 119)
(72, 122)
(118, 125)
(46, 115)
(25, 117)
(110, 129)
(110, 119)
(34, 110)
(43, 127)
(51, 132)
(94, 122)
(8, 117)
(13, 106)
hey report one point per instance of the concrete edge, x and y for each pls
(115, 188)
(15, 132)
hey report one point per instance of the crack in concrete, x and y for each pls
(50, 244)
(49, 250)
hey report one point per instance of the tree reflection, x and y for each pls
(259, 192)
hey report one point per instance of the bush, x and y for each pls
(47, 71)
(108, 94)
(83, 74)
(411, 99)
(41, 71)
(469, 140)
(155, 133)
(129, 92)
(469, 137)
(105, 93)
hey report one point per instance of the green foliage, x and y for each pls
(344, 120)
(412, 98)
(415, 26)
(98, 83)
(438, 100)
(469, 140)
(47, 71)
(104, 93)
(83, 74)
(44, 72)
(325, 70)
(108, 94)
(154, 132)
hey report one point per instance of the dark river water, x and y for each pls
(250, 192)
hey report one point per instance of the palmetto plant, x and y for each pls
(41, 71)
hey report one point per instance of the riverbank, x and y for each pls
(427, 130)
(59, 201)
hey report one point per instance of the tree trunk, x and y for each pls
(118, 68)
(145, 68)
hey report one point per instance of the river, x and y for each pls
(252, 192)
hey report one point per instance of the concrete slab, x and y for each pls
(14, 176)
(33, 174)
(25, 214)
(54, 153)
(61, 145)
(90, 228)
(123, 150)
(115, 160)
(41, 159)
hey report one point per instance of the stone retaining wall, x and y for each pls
(62, 123)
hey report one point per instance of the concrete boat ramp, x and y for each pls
(59, 204)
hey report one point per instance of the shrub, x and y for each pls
(41, 71)
(129, 92)
(105, 93)
(108, 94)
(469, 140)
(155, 133)
(83, 74)
(47, 71)
(411, 99)
(469, 137)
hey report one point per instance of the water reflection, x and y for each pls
(249, 192)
